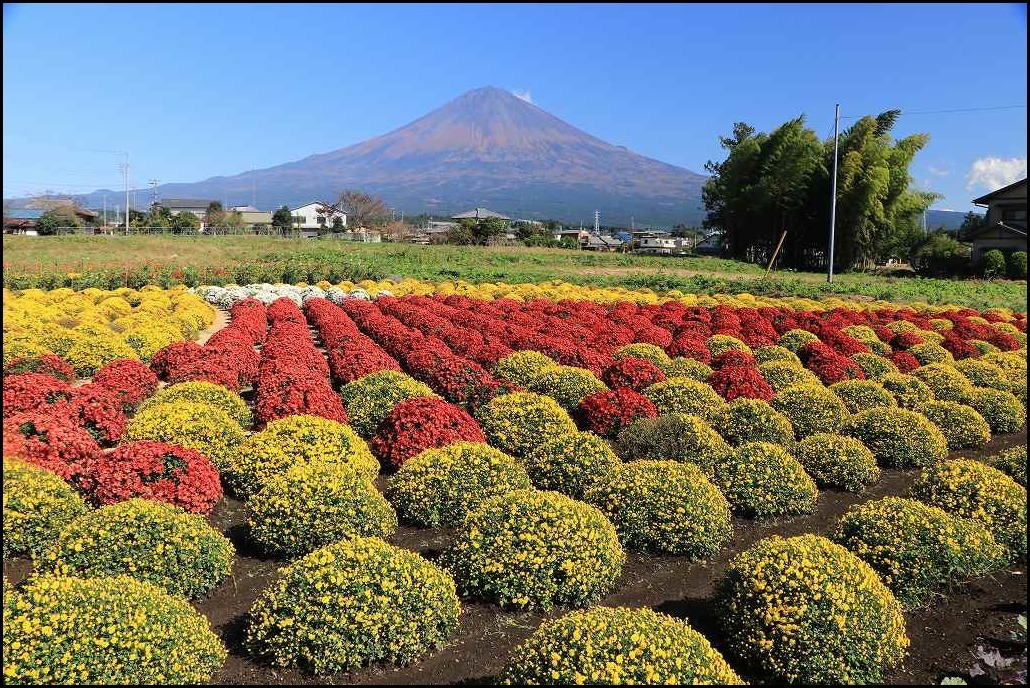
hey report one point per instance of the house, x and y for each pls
(1005, 225)
(660, 243)
(311, 216)
(24, 220)
(602, 243)
(711, 245)
(252, 217)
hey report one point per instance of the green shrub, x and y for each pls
(1011, 462)
(370, 399)
(963, 427)
(811, 409)
(664, 506)
(899, 438)
(793, 340)
(675, 436)
(615, 646)
(762, 480)
(566, 384)
(292, 441)
(1012, 363)
(972, 489)
(946, 383)
(441, 486)
(688, 367)
(316, 504)
(721, 343)
(1017, 265)
(151, 541)
(649, 352)
(860, 395)
(352, 603)
(837, 461)
(516, 423)
(916, 548)
(910, 392)
(783, 374)
(683, 395)
(806, 610)
(104, 631)
(1002, 410)
(522, 366)
(873, 365)
(983, 374)
(203, 393)
(774, 352)
(752, 420)
(209, 430)
(571, 464)
(992, 263)
(38, 505)
(534, 550)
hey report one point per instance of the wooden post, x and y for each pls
(776, 252)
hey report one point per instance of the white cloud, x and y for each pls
(994, 173)
(939, 171)
(523, 95)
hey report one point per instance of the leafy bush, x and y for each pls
(522, 366)
(811, 409)
(992, 263)
(635, 373)
(688, 367)
(352, 603)
(782, 374)
(1017, 265)
(665, 506)
(1002, 410)
(683, 395)
(606, 645)
(761, 480)
(910, 392)
(442, 485)
(947, 383)
(517, 423)
(899, 438)
(1011, 462)
(752, 420)
(315, 504)
(793, 340)
(975, 490)
(963, 427)
(534, 550)
(37, 507)
(130, 380)
(675, 436)
(916, 548)
(874, 366)
(293, 441)
(775, 352)
(369, 399)
(50, 441)
(566, 384)
(150, 541)
(194, 425)
(571, 463)
(983, 374)
(806, 610)
(837, 461)
(861, 395)
(929, 353)
(105, 631)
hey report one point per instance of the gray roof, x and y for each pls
(986, 198)
(174, 203)
(479, 213)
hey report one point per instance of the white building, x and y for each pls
(308, 216)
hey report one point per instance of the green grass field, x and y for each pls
(112, 261)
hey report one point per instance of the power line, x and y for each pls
(905, 113)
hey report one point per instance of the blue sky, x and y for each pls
(193, 91)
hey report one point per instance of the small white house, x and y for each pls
(308, 216)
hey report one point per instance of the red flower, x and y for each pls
(173, 357)
(905, 361)
(421, 423)
(905, 340)
(690, 346)
(46, 364)
(97, 409)
(828, 365)
(32, 391)
(50, 441)
(634, 373)
(733, 357)
(129, 379)
(733, 381)
(606, 412)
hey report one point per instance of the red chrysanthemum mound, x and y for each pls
(906, 340)
(96, 409)
(153, 470)
(606, 412)
(130, 380)
(828, 365)
(690, 345)
(32, 391)
(960, 348)
(634, 373)
(45, 364)
(733, 357)
(173, 357)
(735, 381)
(50, 441)
(905, 361)
(421, 423)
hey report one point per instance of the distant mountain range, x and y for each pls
(487, 149)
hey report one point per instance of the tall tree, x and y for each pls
(282, 220)
(363, 209)
(214, 218)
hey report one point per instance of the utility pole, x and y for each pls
(153, 192)
(125, 173)
(597, 223)
(833, 201)
(105, 210)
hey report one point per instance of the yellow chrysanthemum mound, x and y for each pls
(649, 352)
(38, 505)
(947, 383)
(861, 395)
(190, 424)
(746, 420)
(664, 506)
(516, 423)
(1003, 411)
(292, 441)
(616, 646)
(441, 486)
(963, 427)
(674, 436)
(571, 463)
(204, 393)
(775, 352)
(899, 438)
(522, 366)
(810, 409)
(353, 603)
(315, 504)
(792, 340)
(975, 490)
(105, 631)
(806, 610)
(874, 365)
(684, 395)
(1012, 462)
(534, 550)
(762, 480)
(916, 548)
(910, 392)
(370, 399)
(781, 374)
(721, 343)
(566, 384)
(151, 541)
